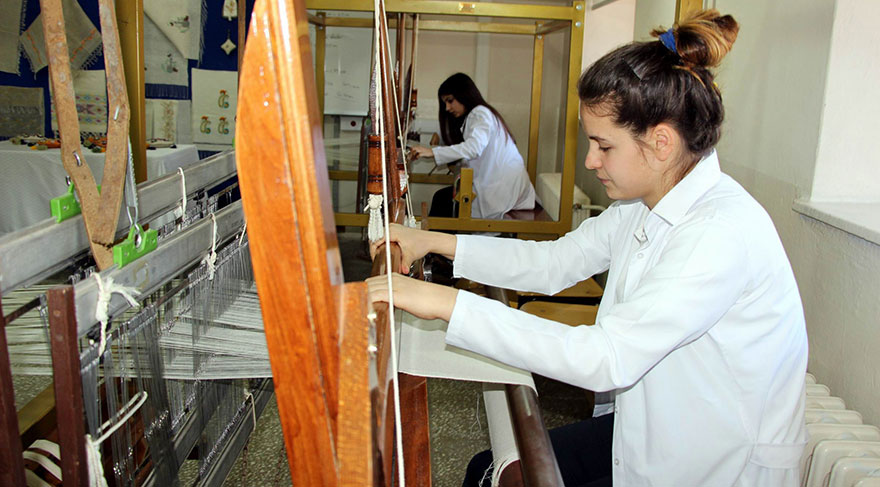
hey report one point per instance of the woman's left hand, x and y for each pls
(423, 299)
(419, 152)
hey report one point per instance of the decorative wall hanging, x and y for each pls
(21, 111)
(213, 106)
(181, 21)
(91, 103)
(163, 62)
(228, 46)
(10, 28)
(83, 39)
(169, 120)
(230, 9)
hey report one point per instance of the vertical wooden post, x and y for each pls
(576, 44)
(320, 56)
(535, 105)
(11, 463)
(130, 17)
(683, 8)
(242, 31)
(68, 385)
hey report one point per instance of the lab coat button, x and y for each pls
(617, 461)
(641, 255)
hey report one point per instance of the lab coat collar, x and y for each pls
(679, 200)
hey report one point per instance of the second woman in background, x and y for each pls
(475, 132)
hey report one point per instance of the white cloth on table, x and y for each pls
(703, 340)
(500, 177)
(32, 178)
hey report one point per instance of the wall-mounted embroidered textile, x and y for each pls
(163, 63)
(83, 39)
(90, 88)
(180, 21)
(21, 111)
(213, 106)
(169, 120)
(11, 18)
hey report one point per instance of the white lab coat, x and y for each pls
(700, 332)
(500, 178)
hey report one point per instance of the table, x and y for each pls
(29, 179)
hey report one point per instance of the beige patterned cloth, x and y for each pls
(90, 88)
(169, 120)
(83, 39)
(10, 27)
(21, 111)
(163, 63)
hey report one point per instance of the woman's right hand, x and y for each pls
(414, 244)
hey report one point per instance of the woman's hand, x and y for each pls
(415, 244)
(423, 299)
(418, 152)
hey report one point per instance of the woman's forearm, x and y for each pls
(444, 244)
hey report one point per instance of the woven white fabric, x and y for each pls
(180, 21)
(163, 62)
(213, 106)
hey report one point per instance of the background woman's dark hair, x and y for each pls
(643, 84)
(463, 89)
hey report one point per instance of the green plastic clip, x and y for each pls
(66, 205)
(128, 250)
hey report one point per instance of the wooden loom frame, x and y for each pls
(548, 19)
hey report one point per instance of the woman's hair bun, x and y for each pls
(704, 38)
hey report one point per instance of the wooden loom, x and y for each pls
(330, 362)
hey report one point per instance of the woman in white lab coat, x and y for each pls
(475, 132)
(700, 332)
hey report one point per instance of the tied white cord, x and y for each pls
(211, 259)
(181, 210)
(248, 395)
(106, 289)
(409, 221)
(93, 451)
(375, 230)
(380, 14)
(243, 233)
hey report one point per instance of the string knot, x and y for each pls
(106, 289)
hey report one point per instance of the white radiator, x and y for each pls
(852, 471)
(841, 451)
(828, 452)
(548, 188)
(832, 416)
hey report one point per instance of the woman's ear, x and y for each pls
(664, 141)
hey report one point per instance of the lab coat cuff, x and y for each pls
(459, 263)
(456, 332)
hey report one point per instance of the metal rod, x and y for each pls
(33, 253)
(537, 460)
(151, 271)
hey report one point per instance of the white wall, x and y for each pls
(774, 86)
(847, 148)
(605, 28)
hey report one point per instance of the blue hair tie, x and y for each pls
(668, 40)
